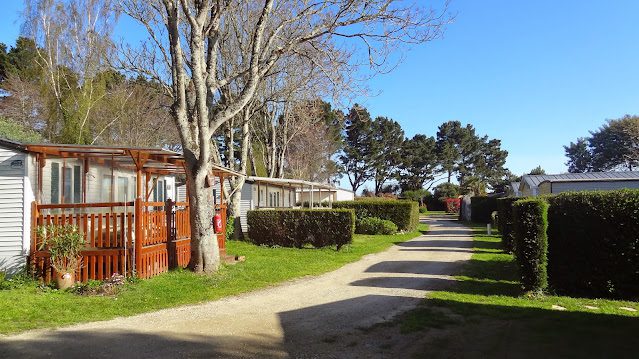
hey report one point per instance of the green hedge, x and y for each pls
(405, 214)
(301, 227)
(531, 243)
(506, 222)
(594, 244)
(481, 208)
(374, 225)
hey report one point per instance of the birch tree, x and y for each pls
(185, 51)
(73, 41)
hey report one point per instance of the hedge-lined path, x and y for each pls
(325, 316)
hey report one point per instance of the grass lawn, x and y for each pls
(487, 315)
(30, 307)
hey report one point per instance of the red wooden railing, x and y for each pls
(108, 237)
(150, 236)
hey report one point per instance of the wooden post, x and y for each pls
(40, 164)
(171, 234)
(139, 237)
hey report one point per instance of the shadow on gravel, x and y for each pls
(334, 330)
(405, 283)
(414, 267)
(438, 243)
(444, 250)
(127, 344)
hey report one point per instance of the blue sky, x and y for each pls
(535, 74)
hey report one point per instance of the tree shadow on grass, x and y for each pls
(498, 331)
(487, 244)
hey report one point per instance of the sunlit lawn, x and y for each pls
(31, 307)
(493, 318)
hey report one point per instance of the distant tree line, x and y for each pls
(378, 151)
(614, 146)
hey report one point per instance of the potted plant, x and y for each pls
(64, 243)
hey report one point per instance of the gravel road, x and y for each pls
(329, 316)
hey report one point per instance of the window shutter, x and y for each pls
(55, 182)
(77, 184)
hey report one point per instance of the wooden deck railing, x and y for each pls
(150, 237)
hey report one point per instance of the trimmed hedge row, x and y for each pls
(405, 214)
(506, 222)
(300, 227)
(531, 247)
(481, 208)
(594, 243)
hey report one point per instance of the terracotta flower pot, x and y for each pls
(64, 280)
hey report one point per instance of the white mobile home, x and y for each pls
(323, 195)
(59, 175)
(533, 185)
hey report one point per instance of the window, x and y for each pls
(158, 192)
(133, 188)
(77, 184)
(55, 182)
(68, 185)
(277, 199)
(106, 188)
(123, 189)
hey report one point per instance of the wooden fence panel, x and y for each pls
(164, 237)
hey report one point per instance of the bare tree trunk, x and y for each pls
(205, 254)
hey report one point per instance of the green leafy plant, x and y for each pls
(64, 243)
(230, 228)
(301, 227)
(405, 214)
(531, 248)
(375, 226)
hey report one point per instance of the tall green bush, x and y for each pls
(594, 244)
(531, 243)
(507, 222)
(481, 208)
(405, 214)
(301, 227)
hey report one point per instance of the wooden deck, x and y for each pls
(131, 238)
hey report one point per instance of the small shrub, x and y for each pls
(108, 287)
(423, 210)
(481, 208)
(307, 204)
(405, 214)
(374, 225)
(64, 243)
(453, 205)
(230, 228)
(506, 222)
(301, 227)
(531, 249)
